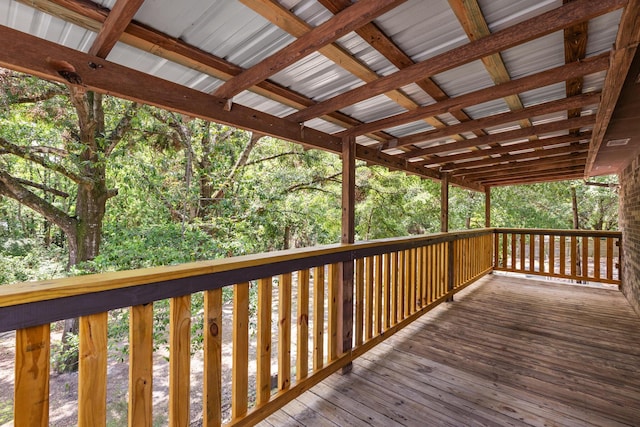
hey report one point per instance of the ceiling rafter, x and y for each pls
(575, 49)
(543, 24)
(447, 160)
(542, 158)
(525, 176)
(503, 118)
(469, 166)
(532, 168)
(373, 35)
(90, 16)
(588, 66)
(292, 24)
(474, 24)
(324, 34)
(536, 179)
(522, 133)
(117, 21)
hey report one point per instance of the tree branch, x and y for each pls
(27, 154)
(123, 126)
(51, 93)
(11, 187)
(317, 180)
(276, 156)
(42, 187)
(242, 160)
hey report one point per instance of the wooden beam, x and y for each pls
(575, 49)
(556, 126)
(622, 55)
(574, 102)
(487, 207)
(588, 66)
(90, 16)
(117, 21)
(444, 203)
(446, 161)
(527, 30)
(530, 167)
(528, 175)
(343, 23)
(292, 24)
(472, 20)
(27, 54)
(537, 179)
(534, 154)
(373, 35)
(345, 289)
(496, 169)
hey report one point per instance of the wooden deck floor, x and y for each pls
(508, 351)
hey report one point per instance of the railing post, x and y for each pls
(487, 207)
(450, 269)
(345, 308)
(444, 203)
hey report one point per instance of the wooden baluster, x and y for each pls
(378, 300)
(596, 257)
(513, 251)
(552, 254)
(387, 290)
(563, 255)
(302, 359)
(240, 364)
(425, 277)
(318, 318)
(532, 252)
(504, 251)
(410, 295)
(402, 283)
(284, 331)
(263, 344)
(431, 265)
(610, 258)
(212, 353)
(92, 370)
(332, 326)
(585, 256)
(541, 254)
(141, 365)
(359, 301)
(574, 257)
(179, 360)
(522, 238)
(496, 249)
(368, 317)
(394, 288)
(31, 388)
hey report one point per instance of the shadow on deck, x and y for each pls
(508, 351)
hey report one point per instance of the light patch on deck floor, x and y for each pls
(508, 351)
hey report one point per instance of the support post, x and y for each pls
(444, 203)
(345, 309)
(487, 207)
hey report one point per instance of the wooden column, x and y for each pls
(444, 203)
(487, 207)
(345, 309)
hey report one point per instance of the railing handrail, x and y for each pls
(561, 232)
(122, 288)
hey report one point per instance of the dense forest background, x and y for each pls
(91, 183)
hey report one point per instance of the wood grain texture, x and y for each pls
(263, 340)
(551, 354)
(92, 370)
(284, 332)
(212, 354)
(141, 365)
(318, 318)
(179, 360)
(302, 350)
(240, 365)
(31, 390)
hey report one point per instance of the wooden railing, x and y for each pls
(580, 255)
(395, 282)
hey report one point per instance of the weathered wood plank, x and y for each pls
(302, 355)
(179, 360)
(263, 340)
(212, 354)
(359, 327)
(141, 365)
(92, 370)
(284, 332)
(318, 318)
(31, 390)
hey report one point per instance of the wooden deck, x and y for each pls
(508, 351)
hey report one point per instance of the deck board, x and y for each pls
(507, 352)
